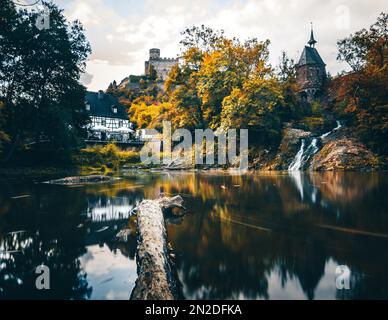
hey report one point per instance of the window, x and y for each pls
(87, 106)
(120, 123)
(103, 122)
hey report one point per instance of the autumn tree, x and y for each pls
(367, 46)
(182, 83)
(227, 83)
(286, 73)
(256, 107)
(149, 115)
(362, 96)
(202, 38)
(112, 88)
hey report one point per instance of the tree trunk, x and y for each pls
(156, 278)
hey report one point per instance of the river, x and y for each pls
(254, 236)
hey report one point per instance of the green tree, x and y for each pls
(152, 75)
(39, 79)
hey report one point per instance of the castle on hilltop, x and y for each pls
(311, 72)
(162, 66)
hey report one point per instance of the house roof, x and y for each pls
(310, 55)
(103, 107)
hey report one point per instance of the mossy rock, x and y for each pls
(344, 154)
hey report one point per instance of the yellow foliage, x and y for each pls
(150, 116)
(108, 154)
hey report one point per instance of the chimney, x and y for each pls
(100, 94)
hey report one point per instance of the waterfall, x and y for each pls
(296, 163)
(304, 155)
(339, 125)
(325, 135)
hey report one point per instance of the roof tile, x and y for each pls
(310, 55)
(103, 107)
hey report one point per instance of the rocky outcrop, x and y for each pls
(344, 153)
(179, 163)
(288, 148)
(156, 277)
(337, 149)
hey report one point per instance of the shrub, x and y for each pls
(109, 156)
(314, 124)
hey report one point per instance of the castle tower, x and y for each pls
(311, 71)
(154, 54)
(161, 66)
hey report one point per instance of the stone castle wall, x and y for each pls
(162, 66)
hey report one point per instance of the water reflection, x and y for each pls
(70, 230)
(281, 236)
(272, 236)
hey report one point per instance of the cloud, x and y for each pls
(99, 261)
(104, 73)
(86, 78)
(121, 32)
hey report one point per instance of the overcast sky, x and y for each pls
(122, 31)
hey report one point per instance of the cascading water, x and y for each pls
(325, 135)
(296, 163)
(304, 155)
(339, 125)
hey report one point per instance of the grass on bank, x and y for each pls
(106, 158)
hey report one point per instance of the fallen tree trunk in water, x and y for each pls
(81, 180)
(156, 279)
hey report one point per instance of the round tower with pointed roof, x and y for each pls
(311, 71)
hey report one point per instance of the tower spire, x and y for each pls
(312, 41)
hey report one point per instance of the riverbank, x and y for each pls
(31, 174)
(336, 150)
(299, 150)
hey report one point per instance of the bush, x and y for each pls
(313, 124)
(109, 155)
(316, 109)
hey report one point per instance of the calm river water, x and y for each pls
(258, 236)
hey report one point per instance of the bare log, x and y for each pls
(81, 180)
(155, 277)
